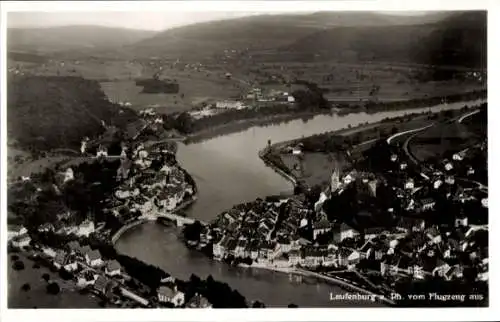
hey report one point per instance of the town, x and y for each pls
(260, 161)
(396, 222)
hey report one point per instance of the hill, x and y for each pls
(259, 32)
(70, 38)
(459, 39)
(57, 112)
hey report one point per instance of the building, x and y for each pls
(60, 259)
(319, 204)
(335, 180)
(86, 278)
(428, 204)
(86, 228)
(93, 258)
(168, 295)
(240, 248)
(70, 263)
(73, 246)
(102, 152)
(220, 249)
(294, 257)
(46, 228)
(410, 184)
(49, 252)
(199, 302)
(21, 240)
(68, 175)
(113, 268)
(101, 284)
(354, 258)
(344, 231)
(14, 231)
(321, 227)
(461, 221)
(237, 105)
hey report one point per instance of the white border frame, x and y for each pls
(363, 314)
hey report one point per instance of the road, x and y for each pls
(480, 186)
(392, 137)
(463, 117)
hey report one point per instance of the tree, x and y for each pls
(53, 288)
(18, 265)
(258, 305)
(26, 287)
(46, 277)
(184, 123)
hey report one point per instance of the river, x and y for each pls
(228, 171)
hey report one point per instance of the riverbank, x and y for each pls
(237, 121)
(364, 135)
(342, 283)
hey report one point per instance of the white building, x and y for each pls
(93, 258)
(437, 184)
(319, 204)
(86, 228)
(102, 152)
(461, 221)
(450, 180)
(68, 175)
(229, 105)
(21, 240)
(49, 252)
(86, 279)
(484, 202)
(348, 179)
(14, 231)
(71, 264)
(113, 268)
(166, 295)
(410, 184)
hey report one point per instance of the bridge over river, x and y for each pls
(180, 221)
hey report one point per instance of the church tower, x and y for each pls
(335, 179)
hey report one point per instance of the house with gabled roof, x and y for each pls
(60, 259)
(321, 227)
(199, 302)
(113, 268)
(101, 284)
(73, 246)
(94, 259)
(21, 241)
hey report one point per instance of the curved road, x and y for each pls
(480, 186)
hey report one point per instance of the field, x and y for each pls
(359, 82)
(37, 296)
(317, 167)
(477, 123)
(441, 139)
(117, 79)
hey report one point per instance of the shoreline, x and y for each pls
(116, 236)
(346, 131)
(341, 283)
(243, 124)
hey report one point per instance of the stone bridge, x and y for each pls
(179, 220)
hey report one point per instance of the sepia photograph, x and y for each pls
(245, 159)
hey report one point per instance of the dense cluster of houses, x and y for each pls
(156, 183)
(269, 233)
